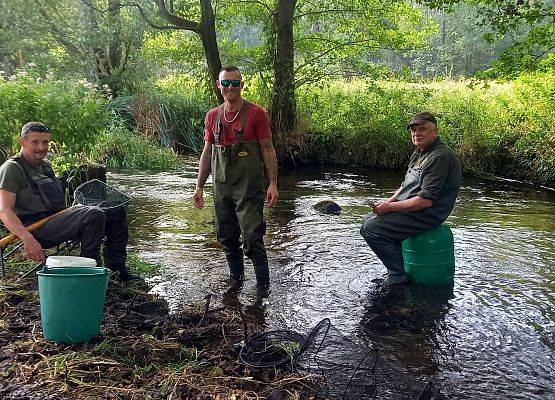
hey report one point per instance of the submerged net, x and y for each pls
(360, 366)
(281, 347)
(97, 193)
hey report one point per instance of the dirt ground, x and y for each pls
(141, 352)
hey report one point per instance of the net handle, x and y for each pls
(314, 332)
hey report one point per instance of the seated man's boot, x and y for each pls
(125, 276)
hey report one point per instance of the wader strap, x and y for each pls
(243, 121)
(46, 169)
(218, 125)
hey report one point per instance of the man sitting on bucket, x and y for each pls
(29, 191)
(424, 200)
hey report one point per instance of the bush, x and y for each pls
(86, 124)
(120, 148)
(506, 129)
(75, 113)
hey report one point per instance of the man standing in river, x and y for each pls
(237, 146)
(424, 200)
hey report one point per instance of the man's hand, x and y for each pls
(198, 200)
(32, 249)
(271, 196)
(382, 208)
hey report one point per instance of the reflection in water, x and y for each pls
(492, 338)
(408, 313)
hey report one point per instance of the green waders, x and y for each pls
(238, 180)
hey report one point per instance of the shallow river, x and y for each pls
(492, 336)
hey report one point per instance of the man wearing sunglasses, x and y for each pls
(424, 200)
(237, 148)
(29, 191)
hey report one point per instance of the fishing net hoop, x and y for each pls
(280, 347)
(99, 194)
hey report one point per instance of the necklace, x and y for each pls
(236, 114)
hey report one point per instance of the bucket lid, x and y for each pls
(69, 261)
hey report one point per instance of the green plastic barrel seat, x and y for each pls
(72, 302)
(430, 256)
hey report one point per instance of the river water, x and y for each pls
(491, 336)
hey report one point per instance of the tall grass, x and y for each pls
(181, 103)
(506, 129)
(119, 147)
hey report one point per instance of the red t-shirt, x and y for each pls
(256, 126)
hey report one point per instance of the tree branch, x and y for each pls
(148, 20)
(179, 22)
(338, 46)
(334, 10)
(58, 33)
(256, 2)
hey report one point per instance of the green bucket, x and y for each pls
(71, 302)
(429, 257)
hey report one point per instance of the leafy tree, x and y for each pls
(535, 50)
(72, 33)
(304, 41)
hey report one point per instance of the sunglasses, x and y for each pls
(227, 82)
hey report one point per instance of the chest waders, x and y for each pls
(385, 233)
(238, 180)
(43, 195)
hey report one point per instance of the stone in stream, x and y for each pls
(328, 207)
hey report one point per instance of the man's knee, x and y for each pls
(94, 216)
(367, 229)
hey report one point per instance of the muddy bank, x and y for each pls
(141, 352)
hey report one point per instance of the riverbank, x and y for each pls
(501, 128)
(141, 352)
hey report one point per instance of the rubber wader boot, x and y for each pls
(262, 273)
(236, 272)
(125, 276)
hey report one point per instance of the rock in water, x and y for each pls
(328, 207)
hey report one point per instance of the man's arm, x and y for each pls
(415, 203)
(32, 248)
(394, 197)
(270, 162)
(203, 173)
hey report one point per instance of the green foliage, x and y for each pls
(503, 129)
(529, 24)
(74, 112)
(331, 38)
(182, 106)
(141, 267)
(118, 147)
(360, 121)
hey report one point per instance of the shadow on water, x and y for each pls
(492, 337)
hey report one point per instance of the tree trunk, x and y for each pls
(283, 106)
(115, 50)
(205, 29)
(210, 45)
(91, 52)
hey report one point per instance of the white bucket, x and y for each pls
(69, 261)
